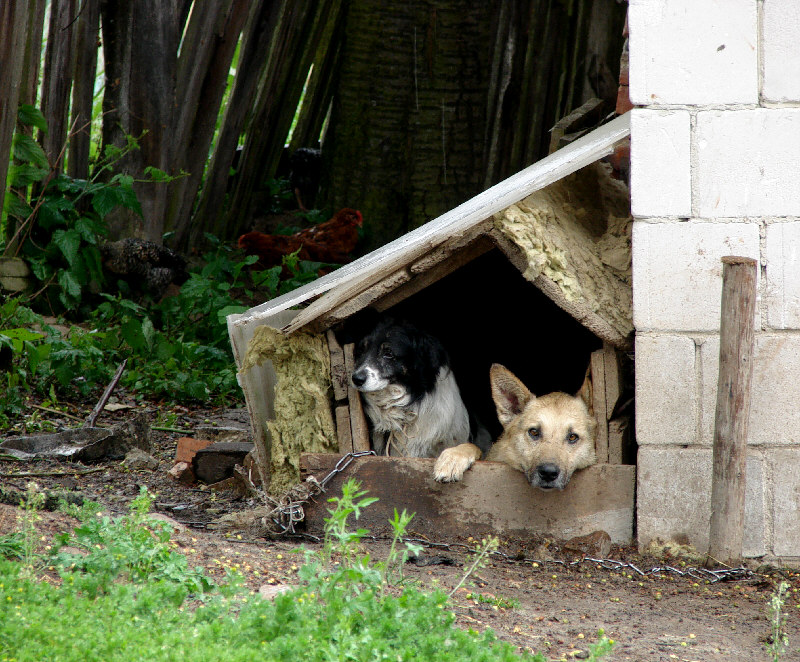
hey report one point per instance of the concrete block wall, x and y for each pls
(715, 170)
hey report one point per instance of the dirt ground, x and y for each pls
(545, 602)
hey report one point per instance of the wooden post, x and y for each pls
(733, 408)
(358, 420)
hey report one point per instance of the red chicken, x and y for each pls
(331, 241)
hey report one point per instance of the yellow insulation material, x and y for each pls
(576, 233)
(303, 420)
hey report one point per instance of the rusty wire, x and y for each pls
(288, 510)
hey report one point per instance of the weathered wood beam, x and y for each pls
(736, 344)
(416, 243)
(491, 499)
(358, 420)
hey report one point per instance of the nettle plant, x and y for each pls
(56, 221)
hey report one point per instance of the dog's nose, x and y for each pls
(548, 472)
(358, 378)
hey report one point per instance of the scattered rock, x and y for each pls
(83, 444)
(182, 472)
(136, 458)
(227, 433)
(175, 524)
(269, 591)
(216, 462)
(596, 544)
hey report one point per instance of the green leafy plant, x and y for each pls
(494, 600)
(778, 641)
(56, 221)
(134, 547)
(129, 582)
(486, 547)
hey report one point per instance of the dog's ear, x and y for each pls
(585, 392)
(431, 352)
(510, 395)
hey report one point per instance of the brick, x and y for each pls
(182, 472)
(786, 503)
(660, 163)
(666, 402)
(693, 51)
(678, 273)
(673, 498)
(623, 100)
(215, 463)
(747, 162)
(781, 50)
(187, 448)
(782, 292)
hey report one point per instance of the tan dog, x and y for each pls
(546, 438)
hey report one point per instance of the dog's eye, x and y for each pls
(534, 433)
(573, 438)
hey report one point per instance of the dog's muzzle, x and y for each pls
(547, 476)
(359, 378)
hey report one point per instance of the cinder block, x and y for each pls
(781, 50)
(709, 377)
(673, 498)
(786, 502)
(693, 51)
(775, 390)
(774, 410)
(660, 163)
(782, 294)
(677, 272)
(747, 162)
(666, 390)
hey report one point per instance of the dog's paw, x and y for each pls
(452, 463)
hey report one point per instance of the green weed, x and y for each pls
(141, 609)
(134, 548)
(778, 641)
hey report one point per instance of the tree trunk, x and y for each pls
(14, 18)
(29, 83)
(258, 33)
(140, 39)
(57, 80)
(292, 52)
(87, 27)
(405, 141)
(203, 67)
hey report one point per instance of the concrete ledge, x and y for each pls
(492, 498)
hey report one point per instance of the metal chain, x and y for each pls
(704, 574)
(288, 510)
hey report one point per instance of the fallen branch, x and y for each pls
(56, 411)
(98, 408)
(45, 474)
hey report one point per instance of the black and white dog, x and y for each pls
(411, 395)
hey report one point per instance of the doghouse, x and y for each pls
(533, 273)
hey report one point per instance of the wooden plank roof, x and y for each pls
(463, 221)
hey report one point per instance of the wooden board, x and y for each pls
(339, 374)
(343, 434)
(358, 421)
(599, 405)
(492, 499)
(372, 268)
